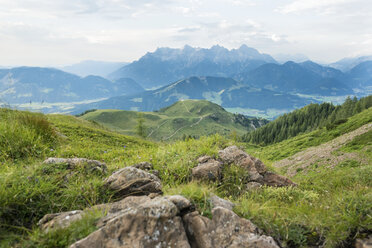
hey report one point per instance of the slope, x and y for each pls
(183, 119)
(307, 119)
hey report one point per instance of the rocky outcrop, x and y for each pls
(258, 174)
(92, 165)
(226, 229)
(152, 223)
(139, 220)
(207, 169)
(132, 181)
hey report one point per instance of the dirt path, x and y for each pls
(185, 107)
(323, 154)
(157, 128)
(194, 124)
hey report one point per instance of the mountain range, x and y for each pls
(347, 64)
(305, 78)
(241, 80)
(35, 84)
(167, 65)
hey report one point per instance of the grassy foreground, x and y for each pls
(330, 207)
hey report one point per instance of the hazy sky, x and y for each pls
(58, 32)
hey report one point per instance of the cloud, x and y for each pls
(229, 34)
(108, 8)
(303, 5)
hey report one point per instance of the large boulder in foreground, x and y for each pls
(226, 229)
(130, 181)
(257, 171)
(169, 221)
(153, 223)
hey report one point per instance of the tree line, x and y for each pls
(307, 119)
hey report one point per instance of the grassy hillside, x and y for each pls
(307, 119)
(299, 143)
(330, 207)
(185, 118)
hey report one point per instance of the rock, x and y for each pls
(183, 205)
(233, 154)
(258, 173)
(128, 202)
(59, 220)
(364, 243)
(272, 179)
(144, 166)
(132, 181)
(219, 202)
(204, 159)
(169, 221)
(208, 171)
(226, 229)
(92, 165)
(253, 185)
(152, 224)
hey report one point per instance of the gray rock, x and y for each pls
(203, 159)
(59, 220)
(183, 205)
(226, 229)
(208, 171)
(131, 181)
(144, 166)
(152, 224)
(256, 169)
(219, 202)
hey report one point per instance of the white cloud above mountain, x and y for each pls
(43, 32)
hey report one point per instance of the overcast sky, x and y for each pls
(60, 32)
